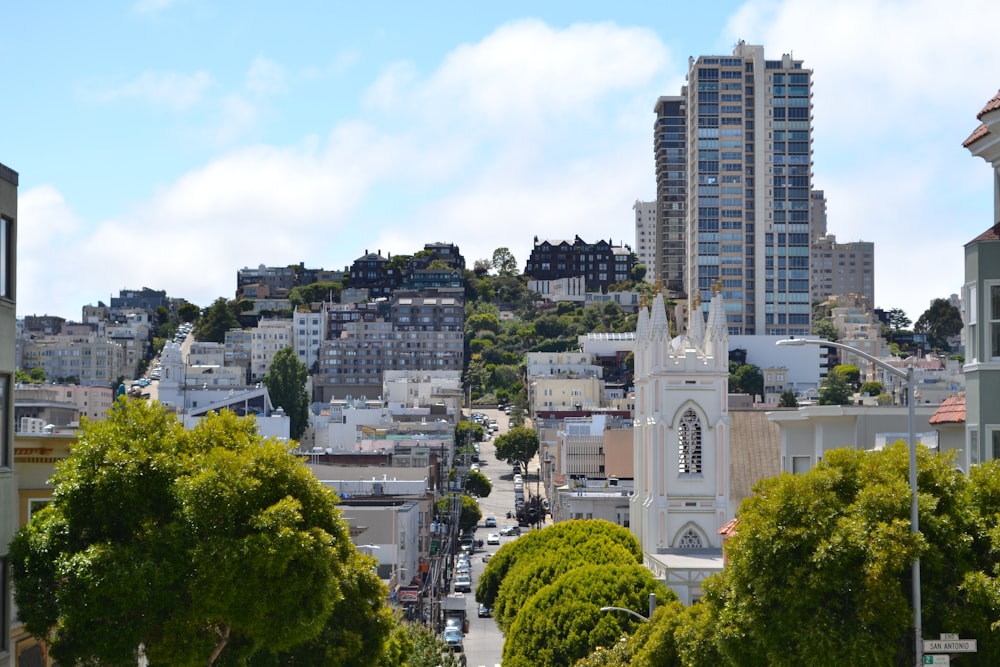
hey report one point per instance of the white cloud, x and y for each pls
(266, 77)
(171, 90)
(531, 131)
(897, 86)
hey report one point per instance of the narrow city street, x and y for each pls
(484, 641)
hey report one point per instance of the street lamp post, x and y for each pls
(907, 377)
(646, 619)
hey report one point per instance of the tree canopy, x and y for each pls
(519, 444)
(286, 385)
(216, 320)
(469, 514)
(478, 484)
(504, 261)
(834, 390)
(940, 322)
(191, 543)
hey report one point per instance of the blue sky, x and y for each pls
(168, 143)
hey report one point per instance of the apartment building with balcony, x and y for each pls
(601, 263)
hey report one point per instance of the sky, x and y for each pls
(169, 143)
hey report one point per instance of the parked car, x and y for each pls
(452, 638)
(493, 538)
(491, 522)
(463, 584)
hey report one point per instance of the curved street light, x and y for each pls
(907, 377)
(627, 611)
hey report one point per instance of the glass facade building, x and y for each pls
(741, 198)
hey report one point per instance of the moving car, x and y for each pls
(484, 611)
(511, 530)
(487, 557)
(452, 638)
(491, 522)
(463, 584)
(493, 538)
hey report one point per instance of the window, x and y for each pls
(994, 326)
(689, 444)
(5, 445)
(6, 257)
(690, 540)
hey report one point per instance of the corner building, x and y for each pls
(744, 126)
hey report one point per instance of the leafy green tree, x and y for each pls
(871, 388)
(788, 400)
(825, 329)
(518, 445)
(188, 312)
(315, 293)
(504, 261)
(940, 322)
(898, 319)
(190, 543)
(477, 484)
(469, 512)
(746, 379)
(850, 373)
(468, 432)
(819, 567)
(834, 390)
(563, 623)
(216, 320)
(417, 645)
(286, 384)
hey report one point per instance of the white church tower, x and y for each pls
(681, 497)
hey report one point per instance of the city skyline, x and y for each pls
(169, 144)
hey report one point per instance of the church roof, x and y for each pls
(982, 130)
(991, 234)
(754, 451)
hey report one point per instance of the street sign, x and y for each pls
(950, 646)
(937, 660)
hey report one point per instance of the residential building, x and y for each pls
(37, 450)
(62, 405)
(645, 236)
(146, 299)
(670, 142)
(842, 268)
(602, 264)
(981, 296)
(378, 274)
(415, 331)
(48, 325)
(8, 331)
(309, 323)
(744, 126)
(267, 339)
(264, 282)
(80, 356)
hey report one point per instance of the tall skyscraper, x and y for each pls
(740, 199)
(645, 236)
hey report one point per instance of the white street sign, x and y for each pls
(950, 646)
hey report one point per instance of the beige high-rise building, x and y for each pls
(839, 269)
(645, 236)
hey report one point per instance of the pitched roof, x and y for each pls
(982, 130)
(991, 234)
(992, 105)
(951, 411)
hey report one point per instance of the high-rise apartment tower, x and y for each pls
(734, 177)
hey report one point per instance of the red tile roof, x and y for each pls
(981, 131)
(951, 411)
(730, 528)
(992, 105)
(976, 135)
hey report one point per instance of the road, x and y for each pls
(484, 642)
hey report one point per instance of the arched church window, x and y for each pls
(689, 444)
(690, 540)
